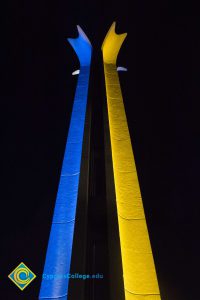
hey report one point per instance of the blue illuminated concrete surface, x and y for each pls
(58, 256)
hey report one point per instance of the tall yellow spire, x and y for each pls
(140, 280)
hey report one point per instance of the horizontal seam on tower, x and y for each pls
(64, 222)
(140, 294)
(131, 219)
(66, 175)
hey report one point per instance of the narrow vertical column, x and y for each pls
(59, 252)
(140, 280)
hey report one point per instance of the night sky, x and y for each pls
(161, 92)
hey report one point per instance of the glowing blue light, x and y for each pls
(122, 69)
(58, 257)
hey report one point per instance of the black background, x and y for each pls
(161, 93)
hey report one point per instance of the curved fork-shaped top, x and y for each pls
(82, 47)
(112, 44)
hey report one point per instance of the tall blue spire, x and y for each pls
(59, 252)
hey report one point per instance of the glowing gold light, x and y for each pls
(140, 280)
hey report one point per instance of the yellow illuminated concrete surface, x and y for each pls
(140, 280)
